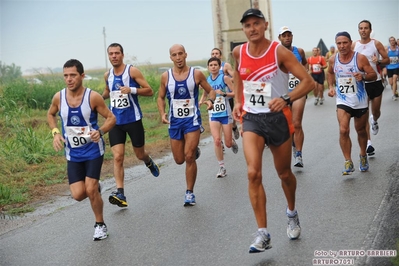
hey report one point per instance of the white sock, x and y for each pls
(221, 163)
(291, 213)
(263, 230)
(369, 142)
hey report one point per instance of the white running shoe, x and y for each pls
(100, 232)
(373, 126)
(293, 228)
(221, 173)
(261, 242)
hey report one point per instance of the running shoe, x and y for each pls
(294, 227)
(189, 199)
(364, 164)
(100, 232)
(394, 97)
(234, 147)
(298, 159)
(261, 242)
(197, 153)
(321, 101)
(153, 167)
(373, 126)
(221, 173)
(117, 198)
(370, 150)
(236, 133)
(316, 101)
(348, 168)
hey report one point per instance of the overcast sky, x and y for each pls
(45, 34)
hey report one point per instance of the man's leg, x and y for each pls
(345, 140)
(344, 129)
(95, 198)
(190, 149)
(118, 152)
(253, 146)
(316, 93)
(282, 163)
(298, 108)
(360, 127)
(118, 197)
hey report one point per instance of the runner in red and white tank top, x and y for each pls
(262, 105)
(262, 78)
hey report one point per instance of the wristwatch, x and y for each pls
(101, 132)
(286, 98)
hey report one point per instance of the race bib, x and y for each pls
(394, 60)
(347, 85)
(78, 136)
(257, 93)
(292, 82)
(316, 68)
(219, 105)
(183, 108)
(119, 100)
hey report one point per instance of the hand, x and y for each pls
(209, 105)
(95, 135)
(164, 118)
(277, 104)
(237, 111)
(125, 90)
(358, 76)
(331, 91)
(58, 142)
(220, 92)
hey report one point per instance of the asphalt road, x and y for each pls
(337, 213)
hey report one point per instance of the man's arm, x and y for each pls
(237, 85)
(99, 105)
(207, 88)
(161, 99)
(288, 62)
(228, 70)
(364, 65)
(145, 88)
(58, 139)
(331, 77)
(304, 61)
(229, 83)
(106, 89)
(384, 54)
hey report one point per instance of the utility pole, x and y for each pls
(105, 49)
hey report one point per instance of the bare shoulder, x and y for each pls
(198, 74)
(106, 74)
(134, 71)
(95, 96)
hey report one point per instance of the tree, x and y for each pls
(9, 72)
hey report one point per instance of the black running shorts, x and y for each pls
(273, 127)
(135, 130)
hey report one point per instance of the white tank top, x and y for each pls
(369, 50)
